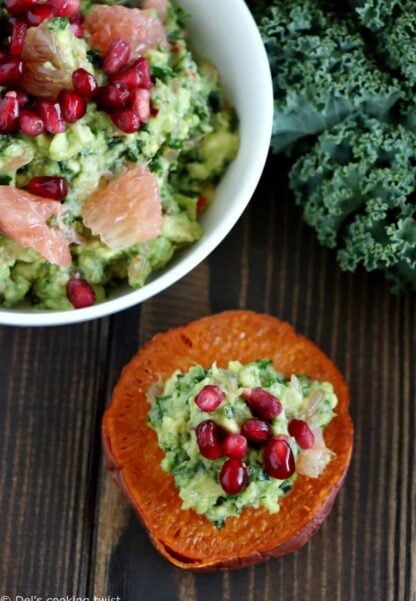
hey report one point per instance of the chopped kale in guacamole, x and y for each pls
(175, 416)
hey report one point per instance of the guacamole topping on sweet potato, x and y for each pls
(238, 437)
(113, 139)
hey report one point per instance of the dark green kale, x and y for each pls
(397, 48)
(321, 70)
(376, 14)
(357, 189)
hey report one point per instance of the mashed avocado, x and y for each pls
(187, 143)
(175, 415)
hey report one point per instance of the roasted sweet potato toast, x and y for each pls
(133, 455)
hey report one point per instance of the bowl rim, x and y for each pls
(199, 251)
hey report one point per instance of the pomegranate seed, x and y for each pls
(31, 124)
(39, 13)
(233, 476)
(209, 398)
(201, 205)
(112, 97)
(77, 30)
(55, 188)
(235, 446)
(10, 71)
(9, 114)
(144, 69)
(209, 436)
(80, 293)
(65, 8)
(19, 7)
(278, 459)
(51, 114)
(131, 78)
(72, 105)
(18, 39)
(262, 403)
(141, 104)
(302, 433)
(154, 111)
(126, 120)
(117, 56)
(22, 98)
(84, 83)
(256, 431)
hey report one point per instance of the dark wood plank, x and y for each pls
(52, 387)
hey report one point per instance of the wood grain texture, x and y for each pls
(64, 527)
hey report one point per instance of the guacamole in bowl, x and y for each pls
(113, 140)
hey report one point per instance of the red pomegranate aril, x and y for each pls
(31, 124)
(278, 459)
(72, 105)
(77, 30)
(209, 398)
(257, 431)
(9, 114)
(209, 437)
(65, 8)
(126, 120)
(22, 98)
(262, 403)
(143, 66)
(233, 476)
(19, 7)
(235, 446)
(10, 71)
(51, 114)
(39, 13)
(154, 111)
(80, 293)
(112, 97)
(84, 83)
(131, 78)
(18, 38)
(141, 104)
(55, 188)
(302, 433)
(117, 56)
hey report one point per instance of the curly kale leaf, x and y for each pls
(357, 189)
(321, 73)
(376, 14)
(396, 46)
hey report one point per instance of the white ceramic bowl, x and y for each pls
(224, 32)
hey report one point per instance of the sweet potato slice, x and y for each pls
(133, 455)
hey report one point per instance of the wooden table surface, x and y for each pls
(65, 530)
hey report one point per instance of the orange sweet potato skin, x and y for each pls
(133, 455)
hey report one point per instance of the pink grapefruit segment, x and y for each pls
(128, 210)
(23, 218)
(139, 28)
(47, 64)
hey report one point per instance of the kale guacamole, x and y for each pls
(288, 416)
(176, 125)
